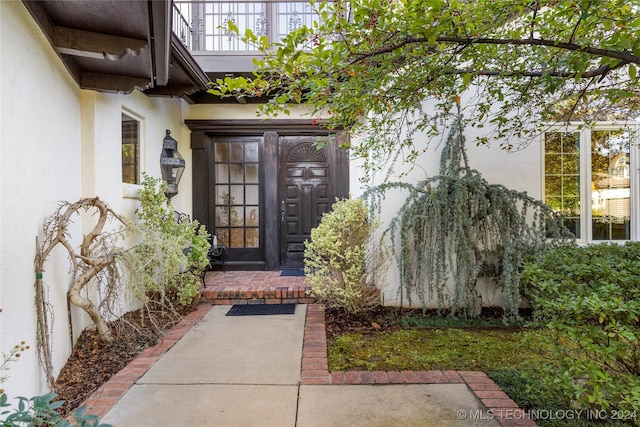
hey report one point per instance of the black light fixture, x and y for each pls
(171, 165)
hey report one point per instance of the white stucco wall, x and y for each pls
(58, 142)
(40, 156)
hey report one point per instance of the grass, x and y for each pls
(470, 349)
(507, 354)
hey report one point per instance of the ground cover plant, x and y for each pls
(389, 338)
(589, 300)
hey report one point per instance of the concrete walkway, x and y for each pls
(248, 371)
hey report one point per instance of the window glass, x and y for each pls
(562, 177)
(130, 150)
(237, 209)
(610, 185)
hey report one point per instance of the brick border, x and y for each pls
(109, 393)
(228, 295)
(315, 371)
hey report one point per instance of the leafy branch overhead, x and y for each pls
(516, 63)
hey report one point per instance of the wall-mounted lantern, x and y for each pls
(171, 164)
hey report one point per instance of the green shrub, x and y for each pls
(340, 263)
(170, 256)
(41, 411)
(589, 297)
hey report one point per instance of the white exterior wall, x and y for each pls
(40, 157)
(58, 142)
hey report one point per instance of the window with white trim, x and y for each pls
(589, 177)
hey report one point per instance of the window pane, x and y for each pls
(223, 235)
(236, 152)
(252, 194)
(130, 150)
(222, 216)
(222, 174)
(253, 238)
(237, 195)
(222, 195)
(610, 185)
(251, 173)
(252, 218)
(251, 152)
(562, 177)
(221, 152)
(237, 238)
(237, 173)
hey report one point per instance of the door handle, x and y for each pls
(282, 214)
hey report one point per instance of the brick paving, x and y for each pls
(250, 288)
(254, 287)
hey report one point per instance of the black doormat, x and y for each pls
(261, 309)
(292, 272)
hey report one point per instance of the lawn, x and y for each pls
(468, 349)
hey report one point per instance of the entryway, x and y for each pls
(261, 187)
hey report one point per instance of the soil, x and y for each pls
(93, 362)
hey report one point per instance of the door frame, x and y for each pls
(270, 131)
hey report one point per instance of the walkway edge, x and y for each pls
(107, 395)
(315, 372)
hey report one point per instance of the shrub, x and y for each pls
(170, 256)
(590, 300)
(340, 262)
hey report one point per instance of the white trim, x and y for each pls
(586, 210)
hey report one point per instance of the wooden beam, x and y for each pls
(88, 44)
(113, 83)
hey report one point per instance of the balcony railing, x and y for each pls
(203, 25)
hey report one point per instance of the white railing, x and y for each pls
(203, 25)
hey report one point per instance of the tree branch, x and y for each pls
(626, 56)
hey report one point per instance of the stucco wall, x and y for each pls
(40, 155)
(58, 142)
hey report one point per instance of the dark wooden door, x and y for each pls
(306, 190)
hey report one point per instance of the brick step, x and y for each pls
(253, 287)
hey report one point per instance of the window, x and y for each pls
(237, 192)
(587, 178)
(130, 150)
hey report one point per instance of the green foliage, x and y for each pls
(38, 410)
(170, 255)
(455, 227)
(589, 298)
(41, 411)
(547, 410)
(338, 256)
(516, 64)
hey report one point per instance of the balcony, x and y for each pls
(202, 28)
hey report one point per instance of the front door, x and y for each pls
(307, 189)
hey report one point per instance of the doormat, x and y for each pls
(261, 309)
(292, 272)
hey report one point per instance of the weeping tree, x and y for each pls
(94, 261)
(455, 227)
